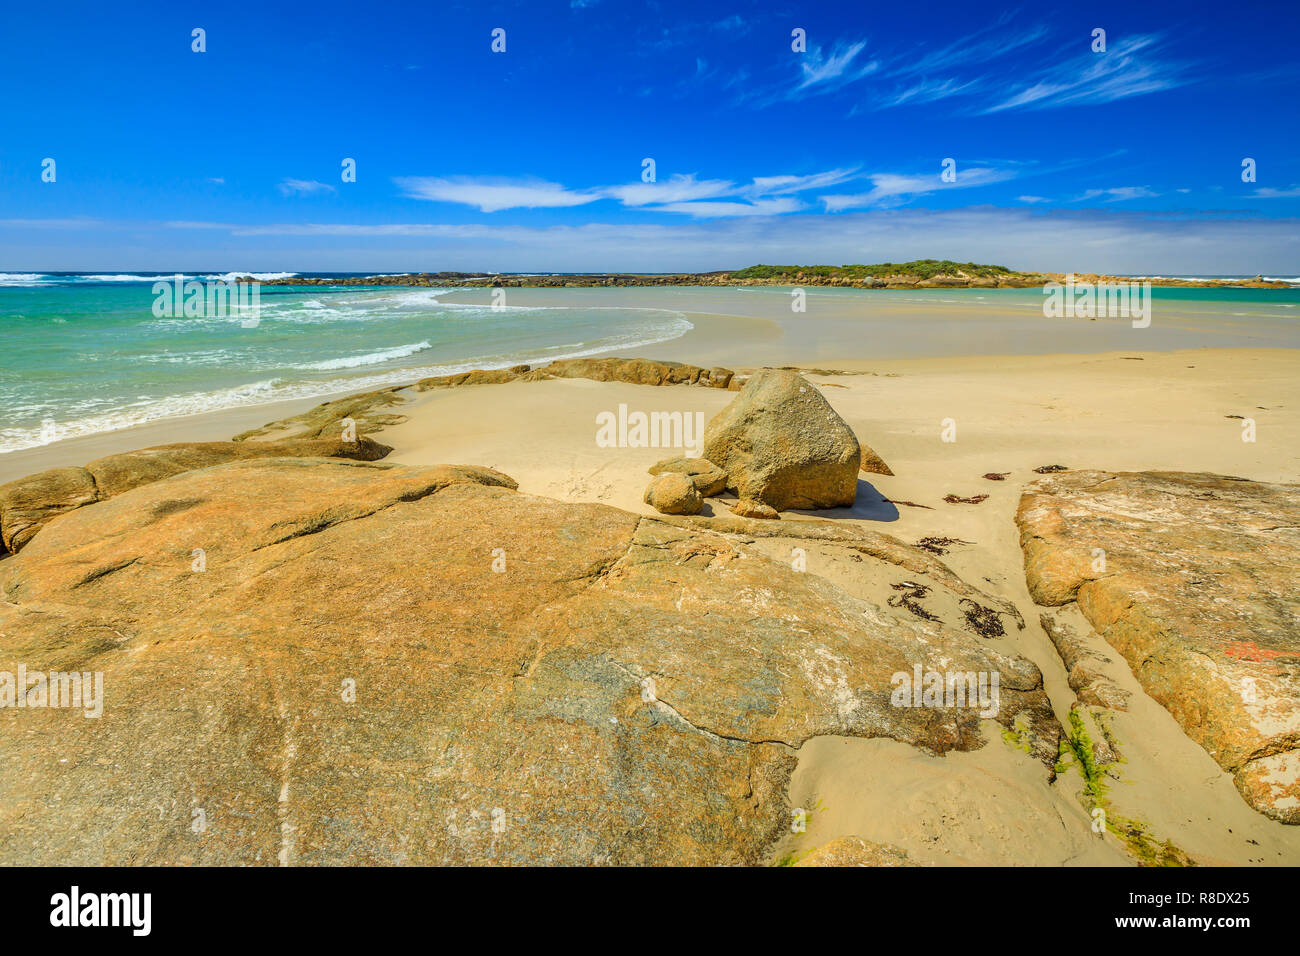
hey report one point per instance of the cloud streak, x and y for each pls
(1117, 194)
(493, 195)
(891, 189)
(1128, 68)
(679, 194)
(302, 187)
(982, 70)
(824, 73)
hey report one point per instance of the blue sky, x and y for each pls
(532, 159)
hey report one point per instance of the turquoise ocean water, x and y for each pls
(82, 354)
(86, 354)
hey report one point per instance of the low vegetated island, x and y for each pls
(917, 274)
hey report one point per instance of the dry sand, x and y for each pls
(1116, 411)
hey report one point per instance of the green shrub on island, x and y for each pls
(924, 268)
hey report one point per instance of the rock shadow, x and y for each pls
(870, 505)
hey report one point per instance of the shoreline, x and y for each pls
(224, 424)
(751, 327)
(710, 335)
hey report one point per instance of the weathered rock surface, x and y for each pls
(1083, 665)
(365, 409)
(28, 503)
(635, 371)
(719, 377)
(873, 464)
(673, 494)
(748, 508)
(533, 681)
(1194, 583)
(781, 443)
(855, 851)
(709, 479)
(497, 376)
(118, 473)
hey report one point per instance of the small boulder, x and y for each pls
(673, 494)
(709, 479)
(781, 443)
(719, 377)
(748, 508)
(873, 464)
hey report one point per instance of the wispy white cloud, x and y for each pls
(733, 24)
(493, 195)
(891, 189)
(717, 210)
(1269, 192)
(1117, 193)
(995, 40)
(1033, 199)
(984, 70)
(821, 73)
(680, 193)
(1129, 67)
(675, 189)
(928, 91)
(77, 222)
(816, 73)
(939, 69)
(781, 185)
(302, 187)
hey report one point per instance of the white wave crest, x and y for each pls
(370, 358)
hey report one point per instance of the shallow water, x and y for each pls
(86, 354)
(82, 357)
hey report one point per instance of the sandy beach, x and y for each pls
(1118, 411)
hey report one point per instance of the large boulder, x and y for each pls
(386, 664)
(781, 443)
(1192, 579)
